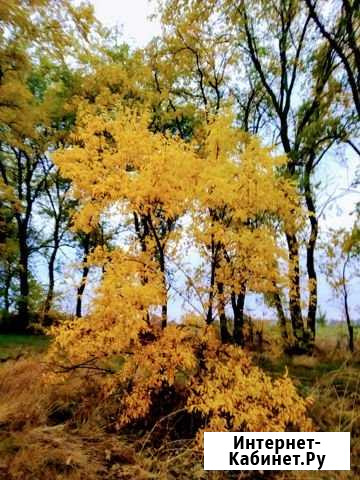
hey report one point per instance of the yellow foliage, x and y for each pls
(189, 364)
(216, 382)
(232, 394)
(242, 202)
(231, 187)
(119, 314)
(117, 160)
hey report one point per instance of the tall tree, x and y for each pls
(26, 112)
(55, 206)
(8, 250)
(233, 217)
(341, 31)
(342, 252)
(270, 41)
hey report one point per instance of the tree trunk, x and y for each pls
(281, 316)
(164, 315)
(294, 294)
(7, 289)
(85, 272)
(310, 254)
(164, 307)
(50, 292)
(238, 302)
(347, 312)
(210, 316)
(160, 255)
(348, 322)
(224, 333)
(51, 272)
(142, 231)
(23, 302)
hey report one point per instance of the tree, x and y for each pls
(239, 196)
(269, 42)
(117, 162)
(8, 250)
(306, 131)
(341, 267)
(56, 206)
(341, 33)
(28, 108)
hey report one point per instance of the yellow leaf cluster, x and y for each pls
(119, 315)
(216, 382)
(116, 160)
(231, 186)
(232, 394)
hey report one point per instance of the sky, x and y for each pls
(132, 17)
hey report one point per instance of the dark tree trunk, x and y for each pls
(85, 272)
(281, 316)
(310, 254)
(23, 302)
(348, 322)
(50, 292)
(210, 315)
(294, 294)
(51, 272)
(142, 231)
(6, 297)
(237, 303)
(164, 306)
(164, 315)
(160, 255)
(347, 312)
(7, 290)
(224, 332)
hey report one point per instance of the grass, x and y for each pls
(331, 376)
(61, 430)
(14, 346)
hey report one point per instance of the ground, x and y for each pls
(61, 433)
(13, 346)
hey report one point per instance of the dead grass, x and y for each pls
(336, 408)
(66, 430)
(39, 437)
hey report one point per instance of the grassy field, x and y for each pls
(62, 430)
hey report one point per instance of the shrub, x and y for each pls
(186, 368)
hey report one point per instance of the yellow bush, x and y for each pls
(187, 368)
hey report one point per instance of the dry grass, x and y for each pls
(66, 431)
(336, 408)
(39, 436)
(332, 377)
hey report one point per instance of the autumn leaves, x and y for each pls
(228, 185)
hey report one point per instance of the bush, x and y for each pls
(187, 369)
(215, 383)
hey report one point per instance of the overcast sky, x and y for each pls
(132, 15)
